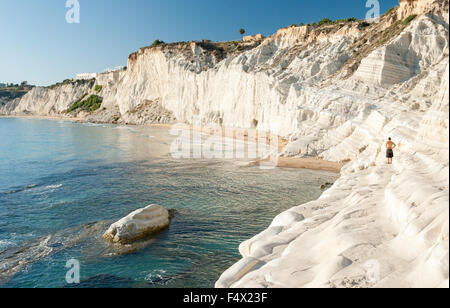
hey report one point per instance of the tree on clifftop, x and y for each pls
(157, 43)
(242, 31)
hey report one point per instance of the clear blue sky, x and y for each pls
(38, 45)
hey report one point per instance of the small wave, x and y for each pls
(6, 244)
(53, 186)
(158, 277)
(35, 187)
(20, 189)
(93, 124)
(126, 128)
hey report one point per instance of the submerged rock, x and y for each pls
(104, 281)
(326, 185)
(138, 225)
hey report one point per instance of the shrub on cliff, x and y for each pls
(157, 43)
(91, 104)
(98, 88)
(325, 21)
(408, 19)
(12, 93)
(74, 82)
(389, 11)
(351, 19)
(363, 25)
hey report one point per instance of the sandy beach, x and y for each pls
(312, 163)
(309, 163)
(234, 133)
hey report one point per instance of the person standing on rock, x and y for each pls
(390, 150)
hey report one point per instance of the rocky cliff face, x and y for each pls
(408, 7)
(278, 83)
(379, 225)
(49, 101)
(339, 91)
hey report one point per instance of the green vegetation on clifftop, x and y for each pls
(9, 93)
(157, 43)
(79, 82)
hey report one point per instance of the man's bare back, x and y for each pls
(390, 145)
(390, 150)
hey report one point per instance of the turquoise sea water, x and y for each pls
(63, 183)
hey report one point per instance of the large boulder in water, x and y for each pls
(139, 224)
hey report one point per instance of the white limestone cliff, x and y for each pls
(338, 91)
(47, 101)
(377, 218)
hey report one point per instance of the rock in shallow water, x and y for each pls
(139, 224)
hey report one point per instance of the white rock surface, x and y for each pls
(139, 224)
(50, 101)
(295, 84)
(407, 55)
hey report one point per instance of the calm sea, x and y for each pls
(63, 183)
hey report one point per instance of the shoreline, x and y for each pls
(37, 117)
(224, 189)
(313, 163)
